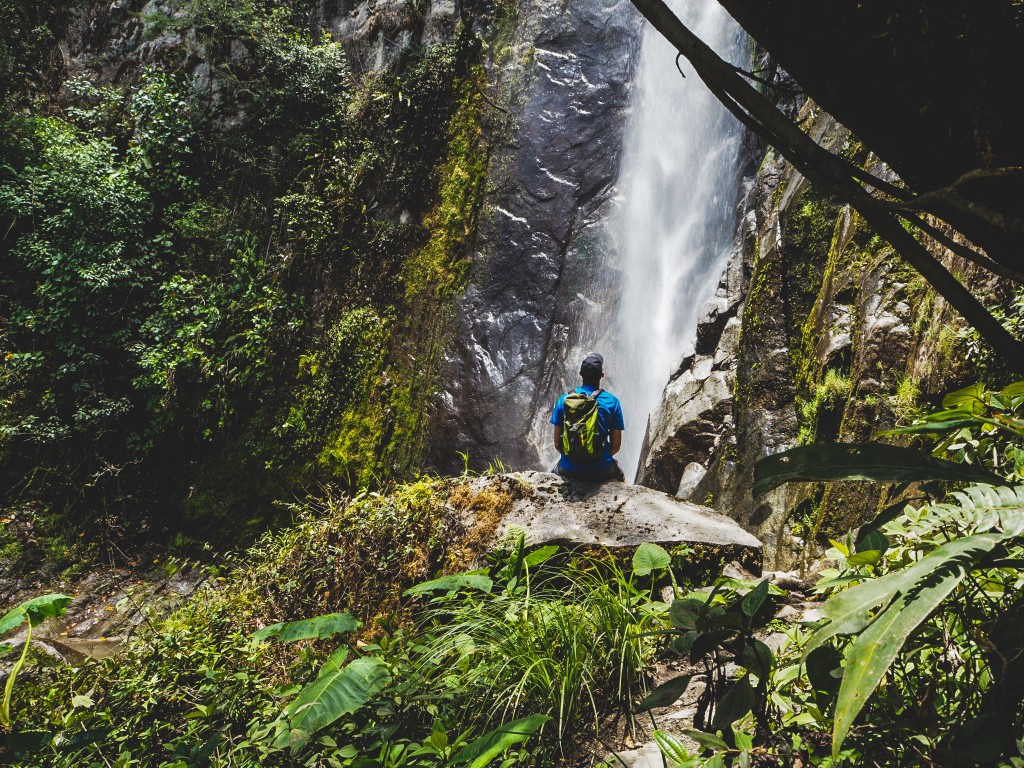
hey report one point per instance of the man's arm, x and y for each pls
(558, 438)
(616, 435)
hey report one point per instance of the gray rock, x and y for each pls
(692, 475)
(541, 236)
(645, 756)
(614, 515)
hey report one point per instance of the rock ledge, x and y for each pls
(614, 515)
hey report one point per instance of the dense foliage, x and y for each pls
(523, 655)
(212, 276)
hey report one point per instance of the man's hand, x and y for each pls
(558, 439)
(616, 436)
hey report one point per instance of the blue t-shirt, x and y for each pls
(609, 417)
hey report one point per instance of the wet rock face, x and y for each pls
(817, 334)
(697, 406)
(552, 175)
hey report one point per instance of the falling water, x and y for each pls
(675, 226)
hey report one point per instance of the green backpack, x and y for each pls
(581, 440)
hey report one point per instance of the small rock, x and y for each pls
(785, 579)
(736, 571)
(787, 613)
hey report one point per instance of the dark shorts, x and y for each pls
(614, 472)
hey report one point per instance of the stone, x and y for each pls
(542, 233)
(646, 756)
(613, 515)
(692, 475)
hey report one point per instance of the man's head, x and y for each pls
(592, 369)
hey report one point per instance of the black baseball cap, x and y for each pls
(593, 363)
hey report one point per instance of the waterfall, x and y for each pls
(674, 228)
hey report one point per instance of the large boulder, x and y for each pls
(554, 510)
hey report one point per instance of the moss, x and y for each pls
(382, 434)
(827, 402)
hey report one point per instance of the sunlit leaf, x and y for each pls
(484, 749)
(850, 611)
(650, 557)
(455, 581)
(306, 629)
(921, 588)
(336, 692)
(541, 555)
(972, 398)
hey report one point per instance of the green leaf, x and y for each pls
(706, 642)
(336, 692)
(706, 740)
(673, 749)
(22, 742)
(736, 702)
(860, 461)
(822, 665)
(873, 541)
(455, 581)
(758, 658)
(685, 612)
(849, 611)
(540, 555)
(666, 694)
(35, 611)
(684, 643)
(929, 426)
(306, 629)
(874, 650)
(481, 751)
(754, 599)
(1016, 389)
(870, 557)
(744, 741)
(68, 743)
(650, 557)
(971, 398)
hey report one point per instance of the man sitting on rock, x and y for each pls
(588, 428)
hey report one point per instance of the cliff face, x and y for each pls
(564, 75)
(420, 185)
(817, 334)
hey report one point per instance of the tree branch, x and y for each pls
(825, 169)
(962, 250)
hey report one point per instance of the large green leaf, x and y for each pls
(336, 692)
(455, 581)
(970, 398)
(34, 611)
(480, 752)
(674, 750)
(874, 650)
(306, 629)
(755, 599)
(666, 694)
(850, 611)
(736, 703)
(650, 557)
(860, 461)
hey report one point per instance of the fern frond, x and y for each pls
(975, 509)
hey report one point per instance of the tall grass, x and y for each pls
(570, 642)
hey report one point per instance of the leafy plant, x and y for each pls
(716, 629)
(30, 613)
(561, 641)
(924, 604)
